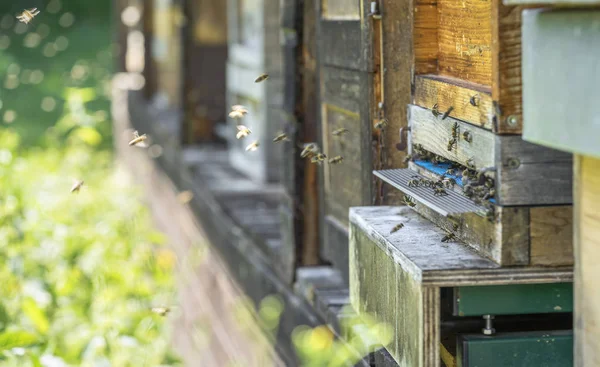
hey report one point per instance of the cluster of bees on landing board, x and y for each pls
(309, 150)
(27, 16)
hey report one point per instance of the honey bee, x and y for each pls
(239, 107)
(339, 132)
(490, 214)
(409, 201)
(468, 191)
(27, 15)
(237, 114)
(76, 185)
(413, 183)
(161, 311)
(252, 146)
(381, 124)
(243, 131)
(467, 136)
(139, 140)
(281, 137)
(449, 182)
(406, 159)
(434, 110)
(438, 191)
(451, 144)
(185, 197)
(336, 160)
(450, 171)
(397, 227)
(309, 150)
(320, 157)
(447, 113)
(261, 78)
(470, 163)
(455, 130)
(474, 100)
(448, 237)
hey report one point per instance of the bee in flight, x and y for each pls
(309, 150)
(448, 237)
(339, 132)
(397, 227)
(381, 124)
(161, 311)
(261, 78)
(27, 15)
(139, 140)
(76, 185)
(243, 131)
(320, 157)
(253, 146)
(447, 113)
(336, 160)
(238, 111)
(185, 197)
(281, 137)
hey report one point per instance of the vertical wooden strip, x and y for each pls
(512, 230)
(578, 299)
(506, 64)
(431, 326)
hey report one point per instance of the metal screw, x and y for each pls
(488, 329)
(513, 163)
(512, 120)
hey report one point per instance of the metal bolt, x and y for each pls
(512, 121)
(488, 329)
(513, 163)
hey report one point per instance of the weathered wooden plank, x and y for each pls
(425, 38)
(506, 63)
(512, 232)
(465, 40)
(587, 250)
(397, 35)
(431, 90)
(433, 134)
(551, 2)
(342, 88)
(340, 9)
(529, 174)
(556, 40)
(551, 235)
(341, 42)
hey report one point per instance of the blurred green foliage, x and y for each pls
(79, 272)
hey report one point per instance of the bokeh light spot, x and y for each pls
(66, 20)
(9, 116)
(48, 104)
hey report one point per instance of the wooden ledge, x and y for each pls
(418, 250)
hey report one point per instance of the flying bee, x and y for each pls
(339, 132)
(239, 107)
(438, 191)
(455, 130)
(76, 185)
(309, 150)
(409, 201)
(236, 114)
(252, 146)
(474, 100)
(381, 124)
(261, 78)
(451, 144)
(185, 197)
(448, 237)
(243, 131)
(467, 136)
(447, 113)
(139, 140)
(435, 111)
(397, 227)
(320, 157)
(27, 15)
(336, 160)
(281, 137)
(161, 311)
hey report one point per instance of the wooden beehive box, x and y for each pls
(466, 113)
(254, 49)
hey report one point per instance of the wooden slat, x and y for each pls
(551, 235)
(506, 63)
(341, 42)
(433, 134)
(341, 88)
(529, 174)
(425, 37)
(431, 90)
(465, 40)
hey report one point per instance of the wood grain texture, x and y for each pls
(433, 134)
(551, 235)
(587, 252)
(512, 230)
(425, 43)
(430, 90)
(506, 63)
(397, 77)
(529, 174)
(341, 42)
(465, 40)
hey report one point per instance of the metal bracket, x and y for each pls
(403, 144)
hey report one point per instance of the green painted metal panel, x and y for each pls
(513, 299)
(529, 349)
(561, 79)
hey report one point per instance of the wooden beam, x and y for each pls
(551, 235)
